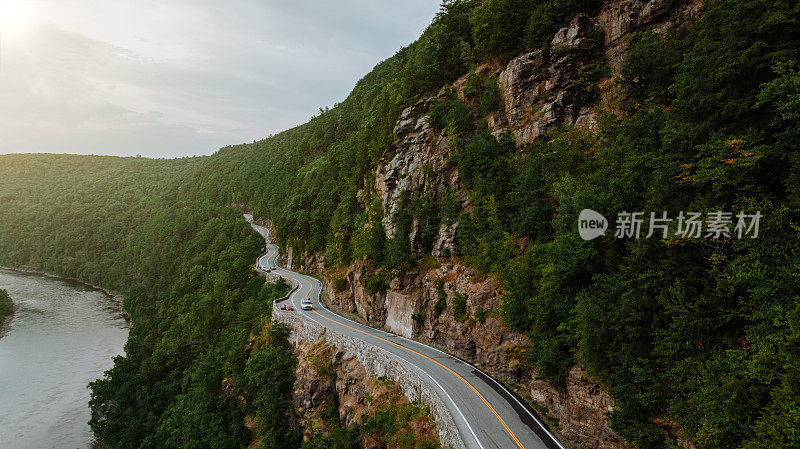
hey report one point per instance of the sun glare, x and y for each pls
(15, 15)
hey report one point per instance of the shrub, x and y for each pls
(6, 306)
(449, 206)
(589, 75)
(340, 283)
(498, 27)
(451, 114)
(548, 16)
(460, 306)
(490, 96)
(485, 90)
(484, 164)
(436, 58)
(474, 85)
(480, 314)
(419, 318)
(647, 70)
(375, 283)
(441, 297)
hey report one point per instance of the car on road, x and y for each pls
(305, 304)
(274, 267)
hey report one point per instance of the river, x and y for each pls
(63, 336)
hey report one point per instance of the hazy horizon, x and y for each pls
(178, 78)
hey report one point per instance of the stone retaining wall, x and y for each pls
(377, 362)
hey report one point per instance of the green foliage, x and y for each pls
(676, 329)
(480, 314)
(168, 386)
(6, 306)
(548, 16)
(484, 164)
(451, 113)
(441, 298)
(266, 384)
(504, 28)
(369, 240)
(648, 69)
(375, 283)
(485, 90)
(419, 318)
(474, 85)
(387, 425)
(586, 82)
(340, 283)
(397, 251)
(185, 268)
(498, 26)
(390, 425)
(436, 58)
(450, 206)
(700, 333)
(483, 240)
(459, 306)
(425, 211)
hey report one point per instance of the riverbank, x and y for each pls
(7, 309)
(114, 296)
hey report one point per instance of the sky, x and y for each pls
(173, 78)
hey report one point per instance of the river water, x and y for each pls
(63, 336)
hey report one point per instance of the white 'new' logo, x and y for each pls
(591, 224)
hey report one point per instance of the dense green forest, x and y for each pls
(200, 313)
(702, 333)
(696, 332)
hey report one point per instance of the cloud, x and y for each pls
(176, 78)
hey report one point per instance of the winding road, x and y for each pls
(486, 413)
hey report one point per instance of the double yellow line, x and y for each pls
(497, 415)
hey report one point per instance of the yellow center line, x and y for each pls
(497, 415)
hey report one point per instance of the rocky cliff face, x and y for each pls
(538, 94)
(332, 382)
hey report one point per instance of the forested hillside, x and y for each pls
(694, 338)
(699, 334)
(186, 272)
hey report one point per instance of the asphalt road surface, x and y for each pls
(486, 413)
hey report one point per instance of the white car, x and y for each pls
(305, 304)
(274, 267)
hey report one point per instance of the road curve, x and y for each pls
(487, 415)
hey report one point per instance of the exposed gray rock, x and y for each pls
(573, 36)
(537, 96)
(620, 20)
(399, 310)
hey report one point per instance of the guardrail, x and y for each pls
(288, 295)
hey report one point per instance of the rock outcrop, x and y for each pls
(421, 153)
(376, 363)
(539, 93)
(580, 409)
(331, 379)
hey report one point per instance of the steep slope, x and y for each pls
(440, 201)
(448, 214)
(185, 269)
